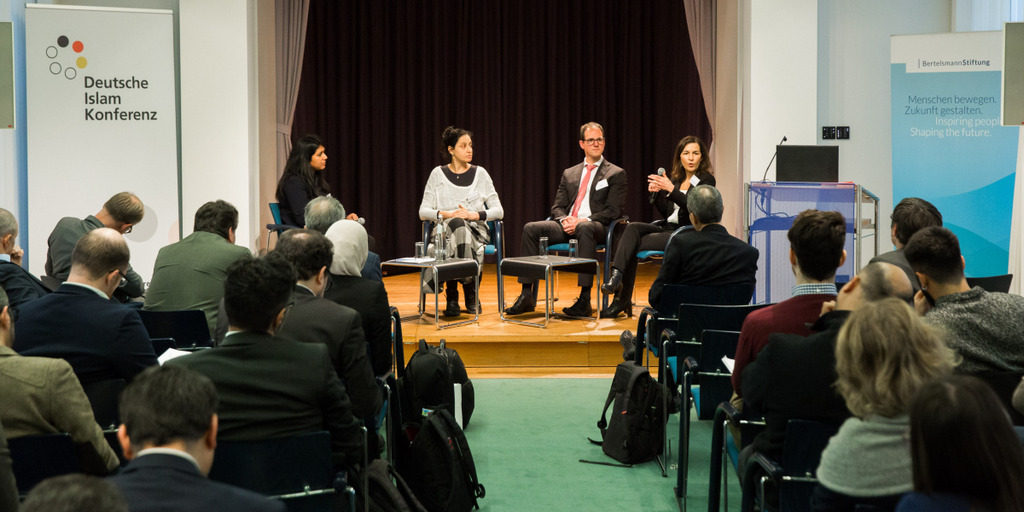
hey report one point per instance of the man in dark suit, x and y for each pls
(707, 254)
(42, 396)
(270, 387)
(314, 319)
(169, 432)
(20, 285)
(910, 215)
(322, 212)
(793, 376)
(189, 274)
(120, 213)
(590, 196)
(79, 323)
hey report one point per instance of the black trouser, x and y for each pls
(587, 232)
(639, 236)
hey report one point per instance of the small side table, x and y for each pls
(442, 271)
(543, 267)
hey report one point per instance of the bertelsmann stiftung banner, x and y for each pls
(948, 145)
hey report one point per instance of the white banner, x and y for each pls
(101, 120)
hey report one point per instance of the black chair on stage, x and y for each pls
(296, 470)
(992, 283)
(188, 329)
(608, 248)
(36, 458)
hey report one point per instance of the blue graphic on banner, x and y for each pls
(949, 148)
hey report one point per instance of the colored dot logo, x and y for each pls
(57, 67)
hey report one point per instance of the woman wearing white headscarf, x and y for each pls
(366, 296)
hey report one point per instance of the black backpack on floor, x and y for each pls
(427, 384)
(637, 429)
(439, 468)
(388, 491)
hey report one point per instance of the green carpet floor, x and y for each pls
(528, 435)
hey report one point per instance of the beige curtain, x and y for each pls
(701, 21)
(290, 26)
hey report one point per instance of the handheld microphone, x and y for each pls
(661, 172)
(361, 221)
(784, 139)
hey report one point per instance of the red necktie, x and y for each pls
(583, 190)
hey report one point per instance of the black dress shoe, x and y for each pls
(525, 303)
(579, 309)
(614, 283)
(616, 308)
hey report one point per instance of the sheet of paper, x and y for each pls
(169, 354)
(729, 363)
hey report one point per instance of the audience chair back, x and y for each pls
(1004, 384)
(295, 469)
(728, 421)
(277, 226)
(793, 476)
(36, 458)
(103, 397)
(188, 329)
(992, 283)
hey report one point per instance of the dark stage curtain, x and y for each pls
(381, 80)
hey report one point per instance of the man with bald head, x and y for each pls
(793, 377)
(121, 213)
(79, 323)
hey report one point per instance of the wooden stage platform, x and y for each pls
(494, 348)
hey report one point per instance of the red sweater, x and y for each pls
(791, 316)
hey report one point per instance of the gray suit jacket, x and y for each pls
(43, 396)
(606, 204)
(190, 275)
(61, 244)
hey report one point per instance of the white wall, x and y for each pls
(781, 78)
(218, 96)
(854, 84)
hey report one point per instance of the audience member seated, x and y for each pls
(322, 212)
(42, 396)
(270, 387)
(314, 319)
(983, 327)
(816, 242)
(707, 255)
(367, 297)
(965, 454)
(884, 354)
(911, 215)
(79, 323)
(793, 376)
(74, 493)
(169, 432)
(8, 488)
(21, 286)
(190, 274)
(120, 213)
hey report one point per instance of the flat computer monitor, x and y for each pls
(816, 164)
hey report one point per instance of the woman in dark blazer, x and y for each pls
(302, 180)
(690, 168)
(366, 296)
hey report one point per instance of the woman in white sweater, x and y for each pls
(460, 199)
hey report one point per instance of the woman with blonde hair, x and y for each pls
(884, 354)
